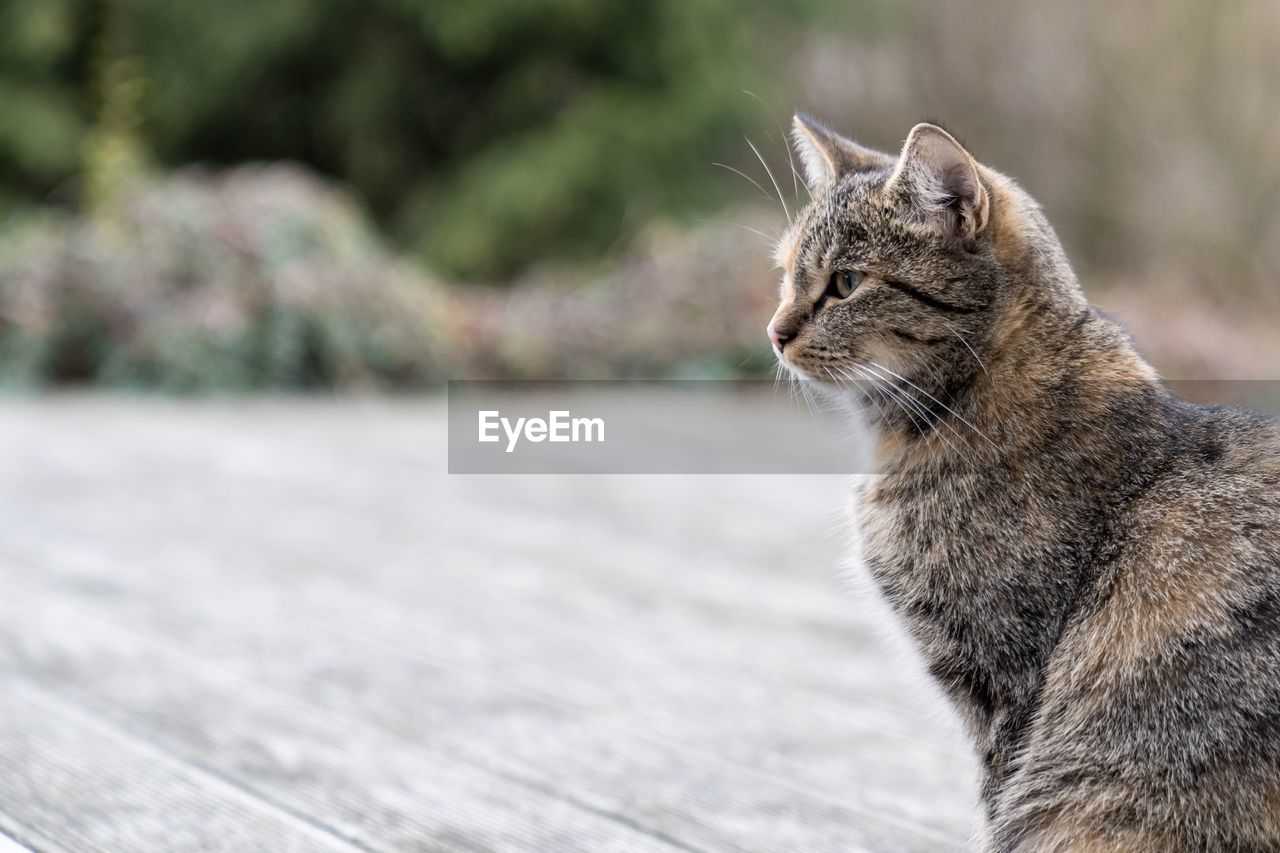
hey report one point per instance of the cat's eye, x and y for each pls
(843, 283)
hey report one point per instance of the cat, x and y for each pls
(1088, 566)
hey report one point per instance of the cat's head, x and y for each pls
(905, 266)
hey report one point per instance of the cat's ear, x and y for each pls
(939, 181)
(826, 155)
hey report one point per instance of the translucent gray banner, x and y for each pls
(695, 426)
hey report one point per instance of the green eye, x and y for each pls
(843, 283)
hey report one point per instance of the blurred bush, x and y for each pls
(261, 277)
(486, 135)
(680, 302)
(267, 278)
(509, 140)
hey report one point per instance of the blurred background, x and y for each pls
(270, 619)
(242, 196)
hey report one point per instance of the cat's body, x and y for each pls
(1102, 604)
(1089, 567)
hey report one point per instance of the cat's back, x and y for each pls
(1213, 513)
(1168, 678)
(1195, 555)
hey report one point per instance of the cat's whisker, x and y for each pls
(931, 418)
(859, 384)
(772, 179)
(782, 135)
(802, 394)
(887, 390)
(809, 402)
(854, 387)
(966, 346)
(766, 237)
(864, 387)
(928, 417)
(883, 386)
(941, 379)
(819, 403)
(753, 181)
(959, 417)
(939, 376)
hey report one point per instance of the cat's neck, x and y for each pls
(1050, 362)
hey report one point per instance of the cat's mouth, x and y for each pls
(800, 363)
(832, 378)
(793, 358)
(789, 363)
(800, 370)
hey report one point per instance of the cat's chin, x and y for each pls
(821, 381)
(828, 387)
(800, 373)
(793, 370)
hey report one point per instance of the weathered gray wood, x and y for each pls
(649, 661)
(11, 845)
(72, 782)
(369, 789)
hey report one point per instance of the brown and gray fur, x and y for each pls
(1089, 566)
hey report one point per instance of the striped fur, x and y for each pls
(1089, 566)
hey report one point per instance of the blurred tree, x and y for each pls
(113, 149)
(44, 73)
(487, 135)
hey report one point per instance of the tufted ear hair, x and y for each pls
(826, 155)
(939, 181)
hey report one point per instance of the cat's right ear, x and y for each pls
(826, 155)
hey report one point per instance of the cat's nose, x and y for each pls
(780, 335)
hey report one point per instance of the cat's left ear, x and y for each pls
(826, 155)
(939, 181)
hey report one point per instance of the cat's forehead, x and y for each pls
(854, 212)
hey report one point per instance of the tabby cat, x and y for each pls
(1089, 566)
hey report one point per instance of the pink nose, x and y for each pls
(780, 337)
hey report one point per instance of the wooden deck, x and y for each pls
(280, 626)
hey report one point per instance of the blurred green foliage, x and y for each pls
(44, 73)
(491, 135)
(484, 135)
(256, 277)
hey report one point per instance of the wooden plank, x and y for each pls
(628, 657)
(249, 731)
(594, 593)
(372, 790)
(644, 679)
(12, 845)
(18, 838)
(72, 783)
(672, 701)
